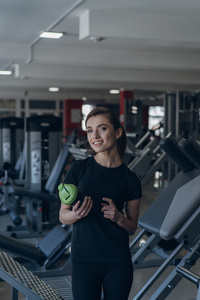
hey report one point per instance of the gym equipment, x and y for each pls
(187, 147)
(27, 283)
(39, 132)
(12, 141)
(191, 276)
(42, 258)
(182, 114)
(9, 203)
(181, 119)
(174, 215)
(35, 221)
(43, 139)
(149, 157)
(12, 135)
(78, 153)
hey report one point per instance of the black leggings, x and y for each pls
(88, 280)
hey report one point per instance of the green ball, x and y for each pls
(67, 193)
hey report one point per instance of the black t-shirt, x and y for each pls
(95, 238)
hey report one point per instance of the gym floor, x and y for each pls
(185, 290)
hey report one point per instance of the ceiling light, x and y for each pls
(96, 39)
(53, 89)
(51, 35)
(3, 72)
(84, 98)
(134, 107)
(114, 92)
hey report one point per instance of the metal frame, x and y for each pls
(24, 281)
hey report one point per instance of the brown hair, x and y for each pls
(113, 118)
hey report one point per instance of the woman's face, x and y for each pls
(101, 133)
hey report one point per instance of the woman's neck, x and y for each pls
(108, 161)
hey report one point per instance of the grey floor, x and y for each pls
(185, 290)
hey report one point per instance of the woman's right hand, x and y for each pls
(83, 209)
(69, 215)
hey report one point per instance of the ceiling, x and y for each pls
(148, 46)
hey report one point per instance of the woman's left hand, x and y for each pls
(129, 220)
(110, 210)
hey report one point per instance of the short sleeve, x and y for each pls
(135, 189)
(73, 174)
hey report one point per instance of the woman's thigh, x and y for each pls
(118, 281)
(86, 281)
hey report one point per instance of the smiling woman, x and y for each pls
(106, 117)
(101, 256)
(102, 136)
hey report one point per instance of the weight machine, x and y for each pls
(36, 221)
(173, 216)
(11, 148)
(12, 141)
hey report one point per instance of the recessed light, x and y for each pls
(53, 89)
(114, 92)
(3, 72)
(134, 107)
(96, 39)
(51, 35)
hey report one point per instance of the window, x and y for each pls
(156, 118)
(86, 108)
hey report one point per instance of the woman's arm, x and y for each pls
(70, 215)
(128, 222)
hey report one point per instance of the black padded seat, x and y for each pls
(170, 146)
(22, 248)
(186, 200)
(191, 149)
(50, 248)
(43, 196)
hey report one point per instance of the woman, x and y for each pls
(100, 255)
